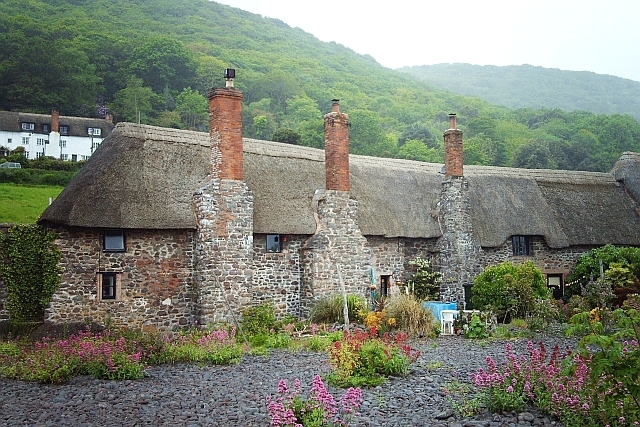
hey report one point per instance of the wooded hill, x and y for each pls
(154, 61)
(519, 86)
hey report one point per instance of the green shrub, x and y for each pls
(330, 309)
(257, 320)
(411, 317)
(30, 272)
(509, 290)
(477, 328)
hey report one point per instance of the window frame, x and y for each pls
(273, 243)
(46, 128)
(64, 129)
(94, 131)
(116, 283)
(521, 245)
(113, 233)
(28, 126)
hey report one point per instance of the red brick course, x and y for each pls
(336, 140)
(225, 123)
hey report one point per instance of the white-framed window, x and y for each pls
(114, 240)
(83, 157)
(63, 143)
(26, 154)
(109, 286)
(64, 130)
(94, 131)
(95, 145)
(26, 140)
(39, 154)
(64, 156)
(41, 141)
(46, 128)
(274, 243)
(28, 126)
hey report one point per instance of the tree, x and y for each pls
(417, 150)
(31, 271)
(163, 62)
(286, 135)
(193, 108)
(533, 155)
(135, 103)
(419, 132)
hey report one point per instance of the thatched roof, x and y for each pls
(11, 121)
(144, 177)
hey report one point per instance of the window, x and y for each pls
(41, 141)
(274, 243)
(114, 240)
(64, 156)
(521, 245)
(26, 140)
(94, 131)
(8, 140)
(63, 143)
(83, 157)
(26, 154)
(28, 126)
(109, 286)
(74, 157)
(94, 145)
(64, 130)
(39, 154)
(46, 128)
(555, 282)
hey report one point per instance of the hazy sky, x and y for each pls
(602, 36)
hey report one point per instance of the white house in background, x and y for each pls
(62, 137)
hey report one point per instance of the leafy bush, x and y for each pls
(258, 320)
(218, 347)
(477, 328)
(411, 317)
(30, 272)
(364, 359)
(509, 290)
(424, 283)
(330, 309)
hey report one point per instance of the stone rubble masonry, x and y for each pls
(276, 276)
(336, 137)
(225, 123)
(459, 252)
(338, 248)
(157, 290)
(224, 249)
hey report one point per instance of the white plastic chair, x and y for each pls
(446, 321)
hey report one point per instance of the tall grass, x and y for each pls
(411, 317)
(24, 204)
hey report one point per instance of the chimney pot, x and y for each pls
(452, 120)
(229, 75)
(335, 105)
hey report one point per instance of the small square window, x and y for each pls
(28, 126)
(109, 287)
(521, 245)
(46, 128)
(64, 130)
(274, 243)
(114, 240)
(94, 131)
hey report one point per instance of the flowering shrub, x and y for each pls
(362, 358)
(102, 356)
(564, 386)
(290, 409)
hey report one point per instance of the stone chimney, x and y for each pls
(55, 121)
(336, 150)
(225, 123)
(453, 154)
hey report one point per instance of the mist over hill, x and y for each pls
(536, 87)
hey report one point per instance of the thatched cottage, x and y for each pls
(164, 227)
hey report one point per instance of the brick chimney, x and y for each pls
(336, 149)
(55, 121)
(453, 154)
(225, 124)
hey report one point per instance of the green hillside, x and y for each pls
(536, 87)
(154, 61)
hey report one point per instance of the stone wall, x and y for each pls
(277, 276)
(336, 249)
(4, 315)
(459, 257)
(155, 276)
(224, 248)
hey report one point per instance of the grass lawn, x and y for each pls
(23, 203)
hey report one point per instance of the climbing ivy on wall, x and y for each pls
(29, 268)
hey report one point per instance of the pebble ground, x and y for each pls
(229, 396)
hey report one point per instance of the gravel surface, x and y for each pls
(229, 396)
